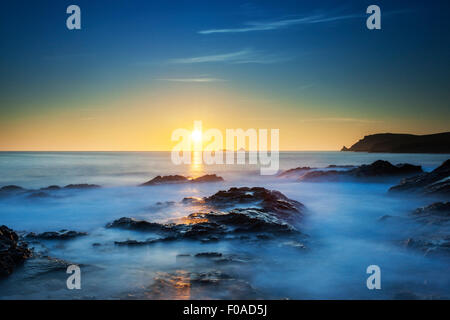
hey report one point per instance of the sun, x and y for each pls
(196, 135)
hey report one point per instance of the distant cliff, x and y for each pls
(403, 143)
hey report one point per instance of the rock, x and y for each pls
(295, 172)
(403, 143)
(268, 200)
(182, 179)
(430, 245)
(51, 188)
(210, 284)
(436, 213)
(11, 188)
(55, 235)
(165, 180)
(38, 194)
(139, 225)
(207, 178)
(208, 255)
(434, 182)
(12, 253)
(271, 213)
(379, 168)
(82, 186)
(339, 166)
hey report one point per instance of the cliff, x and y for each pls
(403, 143)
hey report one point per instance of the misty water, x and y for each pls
(342, 231)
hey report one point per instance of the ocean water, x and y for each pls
(344, 234)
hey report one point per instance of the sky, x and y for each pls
(138, 70)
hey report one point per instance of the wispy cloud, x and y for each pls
(239, 57)
(192, 80)
(285, 23)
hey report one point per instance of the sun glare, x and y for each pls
(196, 135)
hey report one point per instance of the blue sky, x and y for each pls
(311, 60)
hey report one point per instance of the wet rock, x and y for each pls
(166, 180)
(295, 172)
(212, 284)
(430, 245)
(11, 188)
(208, 255)
(182, 179)
(207, 178)
(436, 182)
(38, 194)
(379, 168)
(12, 252)
(139, 225)
(436, 213)
(55, 235)
(268, 200)
(82, 186)
(270, 213)
(51, 188)
(341, 166)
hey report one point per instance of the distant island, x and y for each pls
(403, 143)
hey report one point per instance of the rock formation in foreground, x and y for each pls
(434, 236)
(377, 169)
(436, 182)
(251, 213)
(12, 252)
(403, 143)
(175, 179)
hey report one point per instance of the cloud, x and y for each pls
(192, 80)
(274, 25)
(239, 57)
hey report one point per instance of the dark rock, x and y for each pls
(379, 168)
(11, 188)
(434, 182)
(340, 166)
(81, 186)
(51, 188)
(271, 213)
(269, 200)
(165, 180)
(431, 244)
(12, 253)
(211, 284)
(139, 225)
(403, 143)
(207, 178)
(295, 172)
(208, 255)
(55, 235)
(436, 213)
(38, 194)
(181, 179)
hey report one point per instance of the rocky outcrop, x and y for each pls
(55, 235)
(81, 186)
(270, 213)
(295, 172)
(403, 143)
(435, 182)
(181, 179)
(377, 169)
(12, 252)
(433, 234)
(45, 192)
(436, 213)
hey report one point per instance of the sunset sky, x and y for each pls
(138, 70)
